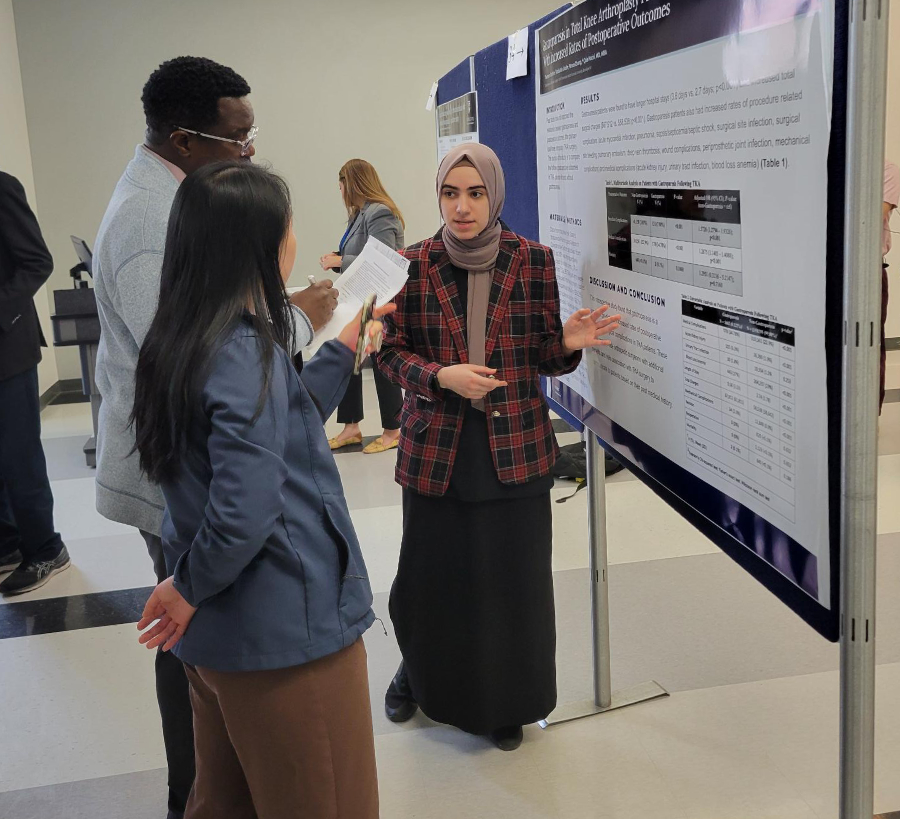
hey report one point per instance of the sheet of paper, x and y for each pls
(429, 105)
(378, 269)
(517, 56)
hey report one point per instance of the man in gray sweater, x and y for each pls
(197, 112)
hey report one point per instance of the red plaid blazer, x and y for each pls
(523, 342)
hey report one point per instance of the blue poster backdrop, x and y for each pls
(507, 124)
(456, 82)
(509, 128)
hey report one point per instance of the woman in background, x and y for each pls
(476, 326)
(370, 212)
(268, 596)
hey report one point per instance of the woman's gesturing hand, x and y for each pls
(584, 328)
(171, 614)
(469, 380)
(350, 333)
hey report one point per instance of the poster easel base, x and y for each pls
(644, 692)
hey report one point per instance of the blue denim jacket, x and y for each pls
(257, 531)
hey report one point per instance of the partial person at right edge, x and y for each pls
(370, 212)
(197, 112)
(891, 198)
(269, 595)
(30, 547)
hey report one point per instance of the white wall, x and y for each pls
(15, 157)
(331, 80)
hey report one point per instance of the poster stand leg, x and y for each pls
(866, 90)
(604, 698)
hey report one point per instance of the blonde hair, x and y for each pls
(362, 185)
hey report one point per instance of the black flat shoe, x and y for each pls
(403, 713)
(399, 703)
(507, 738)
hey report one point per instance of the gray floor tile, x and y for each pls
(65, 458)
(139, 795)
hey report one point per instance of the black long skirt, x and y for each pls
(472, 607)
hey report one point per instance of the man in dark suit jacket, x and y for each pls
(30, 548)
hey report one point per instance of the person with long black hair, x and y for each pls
(268, 595)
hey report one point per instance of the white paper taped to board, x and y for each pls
(517, 55)
(432, 95)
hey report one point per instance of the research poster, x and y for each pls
(457, 122)
(682, 151)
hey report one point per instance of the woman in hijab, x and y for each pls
(476, 326)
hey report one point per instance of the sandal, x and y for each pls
(337, 443)
(378, 445)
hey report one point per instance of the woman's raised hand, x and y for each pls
(585, 328)
(469, 380)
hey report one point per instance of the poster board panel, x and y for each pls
(687, 174)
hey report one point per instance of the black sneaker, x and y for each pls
(34, 574)
(10, 562)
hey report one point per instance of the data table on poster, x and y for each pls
(688, 236)
(739, 400)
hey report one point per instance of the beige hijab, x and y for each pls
(479, 254)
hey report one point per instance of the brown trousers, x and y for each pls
(294, 743)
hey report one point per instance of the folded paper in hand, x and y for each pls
(378, 269)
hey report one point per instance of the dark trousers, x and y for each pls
(173, 694)
(26, 502)
(884, 308)
(390, 400)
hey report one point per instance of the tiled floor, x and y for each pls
(750, 731)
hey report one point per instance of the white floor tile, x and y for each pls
(75, 512)
(371, 423)
(597, 767)
(81, 705)
(757, 751)
(85, 708)
(99, 564)
(640, 526)
(888, 493)
(892, 370)
(379, 530)
(889, 429)
(84, 704)
(63, 420)
(368, 480)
